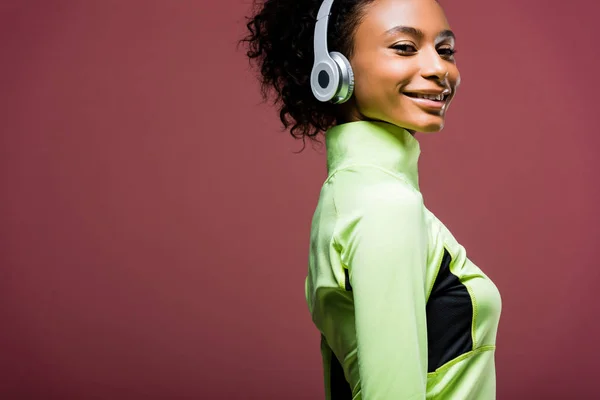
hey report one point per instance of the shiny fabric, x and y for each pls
(371, 228)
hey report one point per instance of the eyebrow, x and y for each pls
(446, 33)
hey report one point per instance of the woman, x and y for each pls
(402, 312)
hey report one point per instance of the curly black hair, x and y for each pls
(280, 43)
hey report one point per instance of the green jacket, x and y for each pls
(403, 313)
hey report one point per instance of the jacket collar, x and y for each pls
(376, 143)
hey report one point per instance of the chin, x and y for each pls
(432, 128)
(420, 122)
(426, 126)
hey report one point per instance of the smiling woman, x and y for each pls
(403, 313)
(403, 63)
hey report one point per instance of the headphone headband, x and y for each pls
(320, 39)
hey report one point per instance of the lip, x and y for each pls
(429, 104)
(432, 91)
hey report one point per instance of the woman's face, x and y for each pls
(403, 51)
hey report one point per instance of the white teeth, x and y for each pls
(438, 97)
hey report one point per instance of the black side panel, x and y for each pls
(449, 317)
(348, 286)
(340, 388)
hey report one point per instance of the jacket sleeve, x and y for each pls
(383, 243)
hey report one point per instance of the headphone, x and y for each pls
(331, 78)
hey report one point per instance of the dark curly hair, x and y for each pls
(280, 43)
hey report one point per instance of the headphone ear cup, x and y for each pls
(346, 83)
(325, 79)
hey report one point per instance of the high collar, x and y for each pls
(377, 143)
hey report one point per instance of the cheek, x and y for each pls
(454, 84)
(454, 76)
(380, 80)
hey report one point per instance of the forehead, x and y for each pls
(426, 15)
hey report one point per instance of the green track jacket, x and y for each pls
(403, 313)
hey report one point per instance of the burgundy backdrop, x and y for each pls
(154, 220)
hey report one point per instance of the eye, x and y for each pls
(447, 52)
(405, 48)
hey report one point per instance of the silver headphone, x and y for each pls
(331, 77)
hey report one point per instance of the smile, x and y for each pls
(428, 101)
(435, 97)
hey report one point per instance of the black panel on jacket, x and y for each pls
(340, 388)
(449, 317)
(348, 286)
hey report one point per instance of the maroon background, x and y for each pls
(154, 221)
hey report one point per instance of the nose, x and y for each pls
(432, 65)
